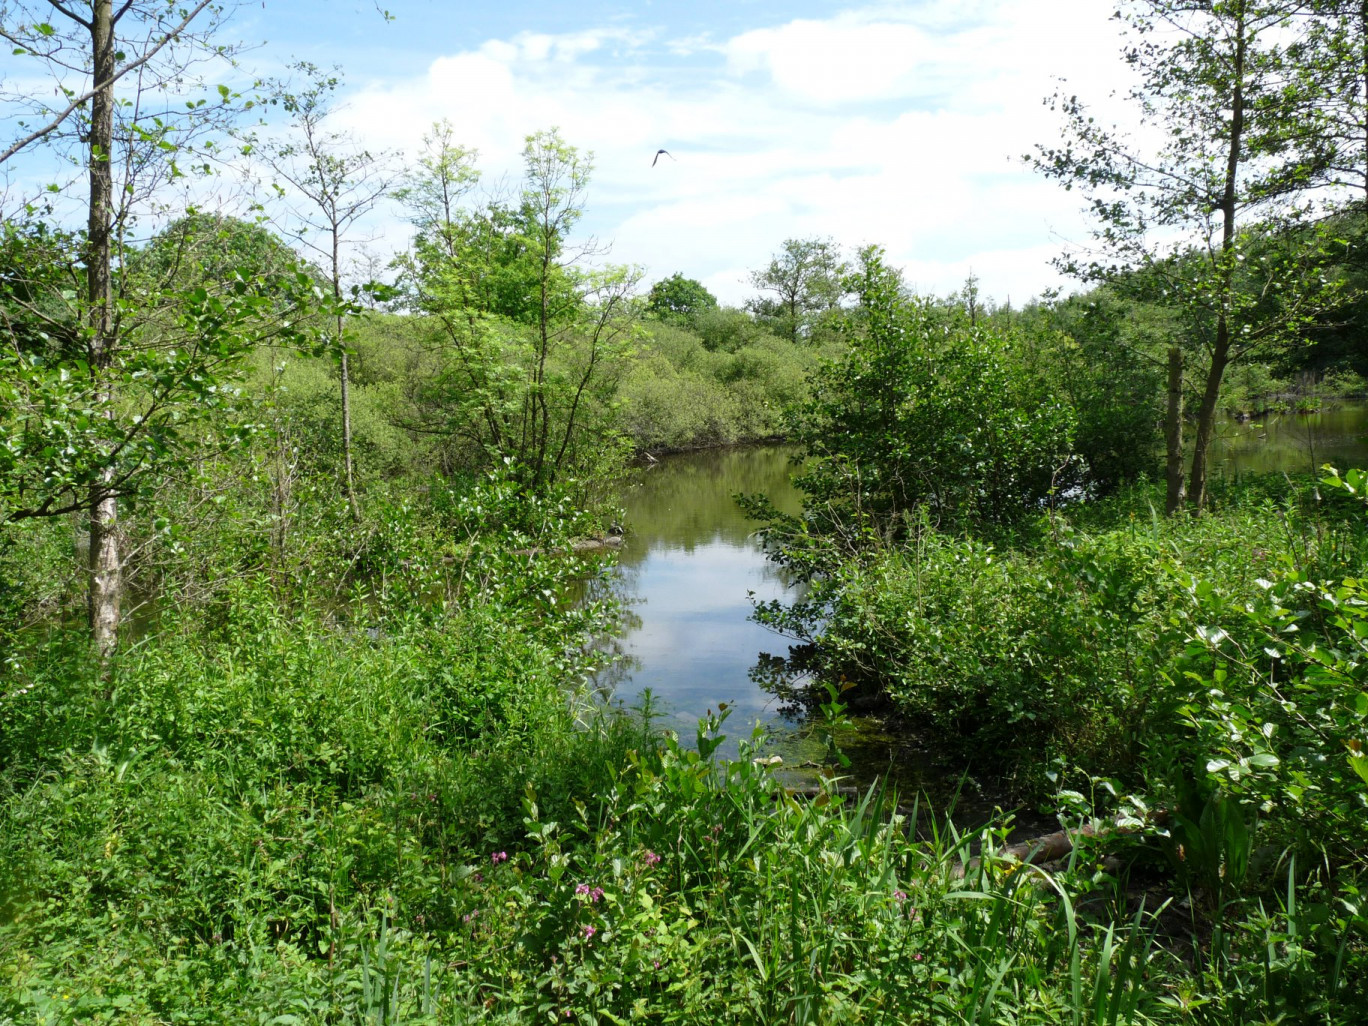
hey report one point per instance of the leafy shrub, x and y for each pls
(918, 415)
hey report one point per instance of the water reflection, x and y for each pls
(689, 570)
(691, 566)
(1295, 443)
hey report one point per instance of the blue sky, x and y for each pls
(900, 124)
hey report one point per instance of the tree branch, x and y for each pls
(86, 97)
(79, 21)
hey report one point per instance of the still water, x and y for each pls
(689, 569)
(1292, 442)
(691, 566)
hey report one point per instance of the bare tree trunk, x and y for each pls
(347, 439)
(106, 576)
(1173, 433)
(345, 375)
(106, 568)
(1220, 350)
(1206, 424)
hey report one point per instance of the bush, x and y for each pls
(920, 415)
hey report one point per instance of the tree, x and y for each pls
(524, 340)
(918, 413)
(1238, 146)
(1336, 51)
(336, 183)
(124, 372)
(804, 277)
(679, 298)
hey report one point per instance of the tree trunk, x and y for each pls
(106, 576)
(106, 569)
(1220, 350)
(1206, 424)
(345, 374)
(1173, 433)
(1363, 82)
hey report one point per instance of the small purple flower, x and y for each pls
(899, 896)
(651, 858)
(589, 931)
(592, 894)
(498, 856)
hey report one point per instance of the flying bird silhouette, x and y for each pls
(657, 156)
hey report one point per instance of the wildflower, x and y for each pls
(899, 896)
(589, 931)
(498, 856)
(651, 858)
(592, 894)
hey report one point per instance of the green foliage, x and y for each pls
(680, 299)
(805, 280)
(679, 393)
(64, 426)
(727, 328)
(1102, 353)
(521, 346)
(1274, 692)
(912, 415)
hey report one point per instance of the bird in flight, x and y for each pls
(657, 156)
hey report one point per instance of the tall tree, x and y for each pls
(89, 417)
(329, 184)
(803, 277)
(679, 298)
(526, 335)
(1226, 148)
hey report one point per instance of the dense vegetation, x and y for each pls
(295, 712)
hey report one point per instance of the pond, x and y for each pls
(692, 565)
(1296, 443)
(690, 569)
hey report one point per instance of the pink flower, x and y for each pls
(498, 856)
(651, 858)
(589, 931)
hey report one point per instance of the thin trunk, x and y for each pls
(544, 322)
(1173, 433)
(106, 568)
(347, 439)
(1206, 422)
(346, 379)
(1363, 81)
(1220, 350)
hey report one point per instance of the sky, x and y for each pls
(898, 124)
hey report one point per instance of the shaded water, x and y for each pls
(1292, 442)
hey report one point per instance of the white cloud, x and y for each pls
(898, 125)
